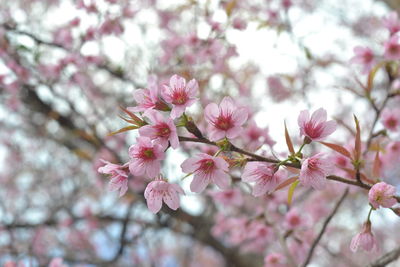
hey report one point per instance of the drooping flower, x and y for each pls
(146, 157)
(315, 128)
(119, 176)
(263, 175)
(206, 169)
(392, 22)
(363, 56)
(391, 119)
(365, 239)
(382, 194)
(161, 129)
(160, 190)
(392, 48)
(179, 94)
(226, 119)
(314, 170)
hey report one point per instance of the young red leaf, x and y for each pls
(338, 148)
(289, 141)
(357, 143)
(376, 169)
(286, 183)
(125, 129)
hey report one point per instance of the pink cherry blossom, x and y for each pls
(315, 128)
(146, 157)
(382, 194)
(206, 169)
(363, 56)
(179, 94)
(293, 219)
(391, 119)
(160, 129)
(263, 175)
(277, 91)
(146, 99)
(392, 48)
(392, 22)
(314, 170)
(225, 120)
(158, 191)
(119, 176)
(254, 136)
(365, 239)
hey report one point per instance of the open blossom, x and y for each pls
(161, 129)
(226, 119)
(146, 157)
(315, 128)
(391, 119)
(365, 239)
(146, 99)
(314, 170)
(392, 48)
(263, 175)
(158, 191)
(254, 136)
(382, 194)
(119, 176)
(206, 169)
(179, 94)
(392, 22)
(293, 219)
(363, 56)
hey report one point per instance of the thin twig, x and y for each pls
(326, 222)
(386, 259)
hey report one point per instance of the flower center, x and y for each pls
(224, 122)
(179, 97)
(207, 165)
(313, 131)
(147, 153)
(163, 130)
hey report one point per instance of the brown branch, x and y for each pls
(326, 222)
(386, 259)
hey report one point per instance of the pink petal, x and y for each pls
(199, 183)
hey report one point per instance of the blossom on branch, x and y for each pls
(225, 120)
(179, 94)
(382, 194)
(314, 170)
(206, 169)
(146, 157)
(263, 175)
(119, 176)
(161, 129)
(160, 190)
(365, 239)
(315, 128)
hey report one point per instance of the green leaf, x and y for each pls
(291, 191)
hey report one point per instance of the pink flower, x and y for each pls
(365, 239)
(160, 129)
(226, 119)
(315, 128)
(392, 48)
(363, 56)
(146, 99)
(277, 90)
(263, 175)
(382, 194)
(179, 94)
(146, 157)
(254, 136)
(274, 260)
(158, 191)
(391, 119)
(293, 219)
(206, 168)
(392, 22)
(314, 170)
(119, 176)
